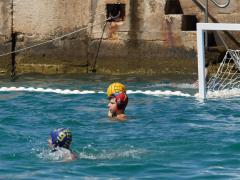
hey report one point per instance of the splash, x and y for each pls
(92, 153)
(61, 154)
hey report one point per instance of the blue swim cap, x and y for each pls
(61, 137)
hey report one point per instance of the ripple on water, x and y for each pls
(169, 134)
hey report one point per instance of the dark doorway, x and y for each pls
(116, 12)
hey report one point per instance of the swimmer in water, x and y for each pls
(118, 101)
(59, 142)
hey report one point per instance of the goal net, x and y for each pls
(227, 76)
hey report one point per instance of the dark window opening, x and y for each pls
(189, 23)
(211, 39)
(116, 12)
(173, 7)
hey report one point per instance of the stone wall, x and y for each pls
(45, 20)
(230, 14)
(5, 35)
(148, 40)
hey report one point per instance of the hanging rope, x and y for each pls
(99, 45)
(13, 52)
(95, 60)
(60, 37)
(13, 55)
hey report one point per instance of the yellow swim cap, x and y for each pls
(115, 88)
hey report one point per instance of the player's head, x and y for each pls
(118, 101)
(115, 88)
(61, 137)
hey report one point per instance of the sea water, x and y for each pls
(169, 134)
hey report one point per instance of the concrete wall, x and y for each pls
(45, 20)
(230, 14)
(5, 35)
(148, 41)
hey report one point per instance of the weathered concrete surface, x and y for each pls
(147, 42)
(142, 61)
(45, 20)
(230, 14)
(5, 35)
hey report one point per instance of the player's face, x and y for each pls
(112, 105)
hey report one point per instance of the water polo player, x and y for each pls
(60, 143)
(118, 101)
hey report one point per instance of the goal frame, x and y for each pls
(201, 28)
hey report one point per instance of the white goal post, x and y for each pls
(201, 27)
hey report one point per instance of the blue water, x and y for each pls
(165, 137)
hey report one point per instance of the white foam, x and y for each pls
(159, 92)
(176, 85)
(47, 90)
(222, 93)
(103, 154)
(61, 154)
(68, 91)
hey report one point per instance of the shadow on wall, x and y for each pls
(173, 7)
(135, 10)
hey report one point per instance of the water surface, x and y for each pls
(169, 133)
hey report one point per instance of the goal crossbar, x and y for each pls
(201, 27)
